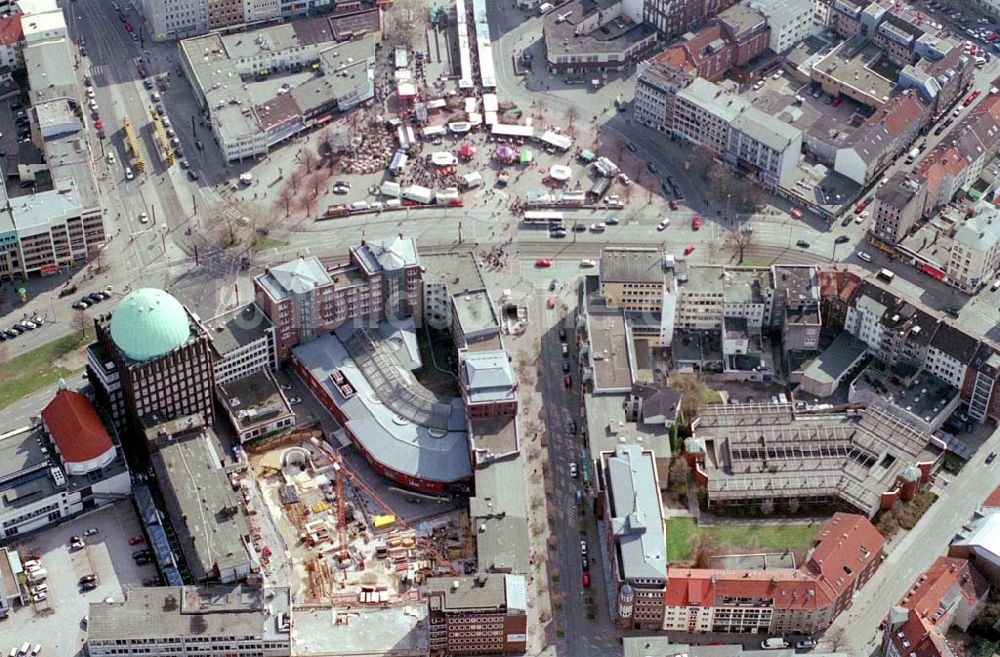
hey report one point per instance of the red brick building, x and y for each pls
(481, 615)
(303, 299)
(734, 38)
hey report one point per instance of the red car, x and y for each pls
(99, 124)
(696, 223)
(586, 580)
(135, 540)
(456, 202)
(567, 381)
(673, 204)
(551, 303)
(142, 72)
(128, 26)
(861, 207)
(542, 262)
(688, 250)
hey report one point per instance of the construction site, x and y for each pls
(347, 547)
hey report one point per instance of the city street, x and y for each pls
(918, 549)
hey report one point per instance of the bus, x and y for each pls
(542, 218)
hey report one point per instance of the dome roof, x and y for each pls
(910, 473)
(149, 323)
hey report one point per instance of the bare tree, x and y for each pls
(701, 161)
(767, 506)
(793, 505)
(81, 323)
(239, 225)
(704, 551)
(572, 114)
(677, 476)
(737, 241)
(407, 21)
(287, 198)
(837, 638)
(309, 159)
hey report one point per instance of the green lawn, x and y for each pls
(268, 243)
(682, 532)
(32, 371)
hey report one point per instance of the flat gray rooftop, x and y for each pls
(475, 311)
(836, 359)
(237, 328)
(203, 508)
(499, 511)
(189, 611)
(609, 350)
(254, 399)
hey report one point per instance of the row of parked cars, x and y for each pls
(88, 300)
(22, 326)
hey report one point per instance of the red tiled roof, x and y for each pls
(11, 30)
(923, 632)
(845, 546)
(678, 57)
(74, 426)
(993, 499)
(838, 283)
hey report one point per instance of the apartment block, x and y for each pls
(243, 342)
(982, 383)
(883, 137)
(741, 134)
(585, 36)
(636, 535)
(843, 557)
(949, 354)
(791, 21)
(303, 299)
(897, 207)
(480, 615)
(656, 88)
(975, 249)
(796, 308)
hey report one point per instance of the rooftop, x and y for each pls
(499, 513)
(176, 612)
(488, 376)
(746, 285)
(237, 328)
(835, 360)
(854, 64)
(203, 508)
(35, 213)
(758, 449)
(387, 255)
(499, 592)
(253, 400)
(475, 312)
(636, 513)
(631, 265)
(610, 349)
(294, 277)
(75, 427)
(562, 37)
(148, 323)
(50, 69)
(396, 420)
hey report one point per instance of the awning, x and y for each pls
(320, 120)
(443, 159)
(468, 149)
(526, 155)
(506, 153)
(560, 172)
(587, 155)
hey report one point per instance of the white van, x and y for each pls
(393, 203)
(774, 643)
(545, 7)
(359, 205)
(31, 564)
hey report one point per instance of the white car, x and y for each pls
(90, 92)
(129, 175)
(38, 597)
(111, 158)
(598, 227)
(143, 218)
(864, 256)
(294, 400)
(663, 224)
(588, 263)
(572, 470)
(92, 104)
(860, 218)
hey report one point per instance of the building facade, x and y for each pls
(674, 17)
(303, 299)
(207, 621)
(898, 205)
(975, 250)
(152, 361)
(480, 615)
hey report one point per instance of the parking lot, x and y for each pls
(57, 622)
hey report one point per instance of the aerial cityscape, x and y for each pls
(428, 328)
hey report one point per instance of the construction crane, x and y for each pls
(357, 482)
(338, 469)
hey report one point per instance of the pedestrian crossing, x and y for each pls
(98, 74)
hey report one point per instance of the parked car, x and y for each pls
(802, 244)
(87, 579)
(990, 457)
(573, 472)
(88, 586)
(567, 381)
(139, 554)
(135, 540)
(294, 400)
(652, 167)
(696, 223)
(841, 239)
